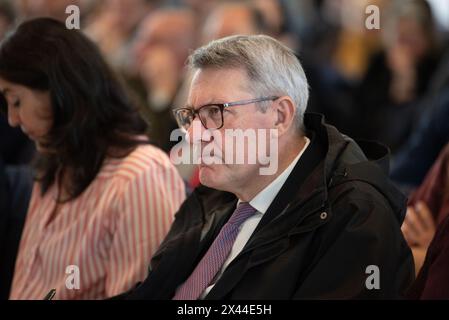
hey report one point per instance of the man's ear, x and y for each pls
(285, 114)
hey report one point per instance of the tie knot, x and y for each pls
(243, 212)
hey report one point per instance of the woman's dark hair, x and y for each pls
(93, 118)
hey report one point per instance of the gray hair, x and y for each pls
(272, 68)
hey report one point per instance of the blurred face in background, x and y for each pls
(271, 11)
(28, 109)
(412, 37)
(409, 32)
(171, 29)
(227, 20)
(163, 43)
(127, 13)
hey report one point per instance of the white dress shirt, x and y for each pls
(261, 202)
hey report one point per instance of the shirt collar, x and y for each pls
(262, 201)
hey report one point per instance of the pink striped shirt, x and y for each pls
(106, 236)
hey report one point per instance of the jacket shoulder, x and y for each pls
(359, 200)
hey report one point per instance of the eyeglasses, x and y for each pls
(211, 115)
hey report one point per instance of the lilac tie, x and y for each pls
(215, 257)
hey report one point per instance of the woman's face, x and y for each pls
(30, 109)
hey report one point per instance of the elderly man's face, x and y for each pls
(223, 86)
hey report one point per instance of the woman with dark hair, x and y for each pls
(103, 198)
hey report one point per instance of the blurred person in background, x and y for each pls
(426, 226)
(397, 77)
(433, 278)
(159, 51)
(103, 197)
(114, 26)
(284, 20)
(336, 50)
(426, 229)
(428, 207)
(231, 18)
(415, 158)
(249, 17)
(28, 9)
(201, 10)
(355, 44)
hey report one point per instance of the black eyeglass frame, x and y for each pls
(222, 106)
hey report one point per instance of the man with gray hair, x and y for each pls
(324, 225)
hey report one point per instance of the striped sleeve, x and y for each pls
(145, 211)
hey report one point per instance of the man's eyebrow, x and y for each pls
(208, 102)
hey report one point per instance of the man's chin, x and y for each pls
(208, 176)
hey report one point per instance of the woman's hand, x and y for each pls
(418, 229)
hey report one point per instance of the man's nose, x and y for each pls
(13, 117)
(197, 133)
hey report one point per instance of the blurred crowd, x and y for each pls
(388, 84)
(372, 84)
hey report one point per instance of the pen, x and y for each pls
(50, 295)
